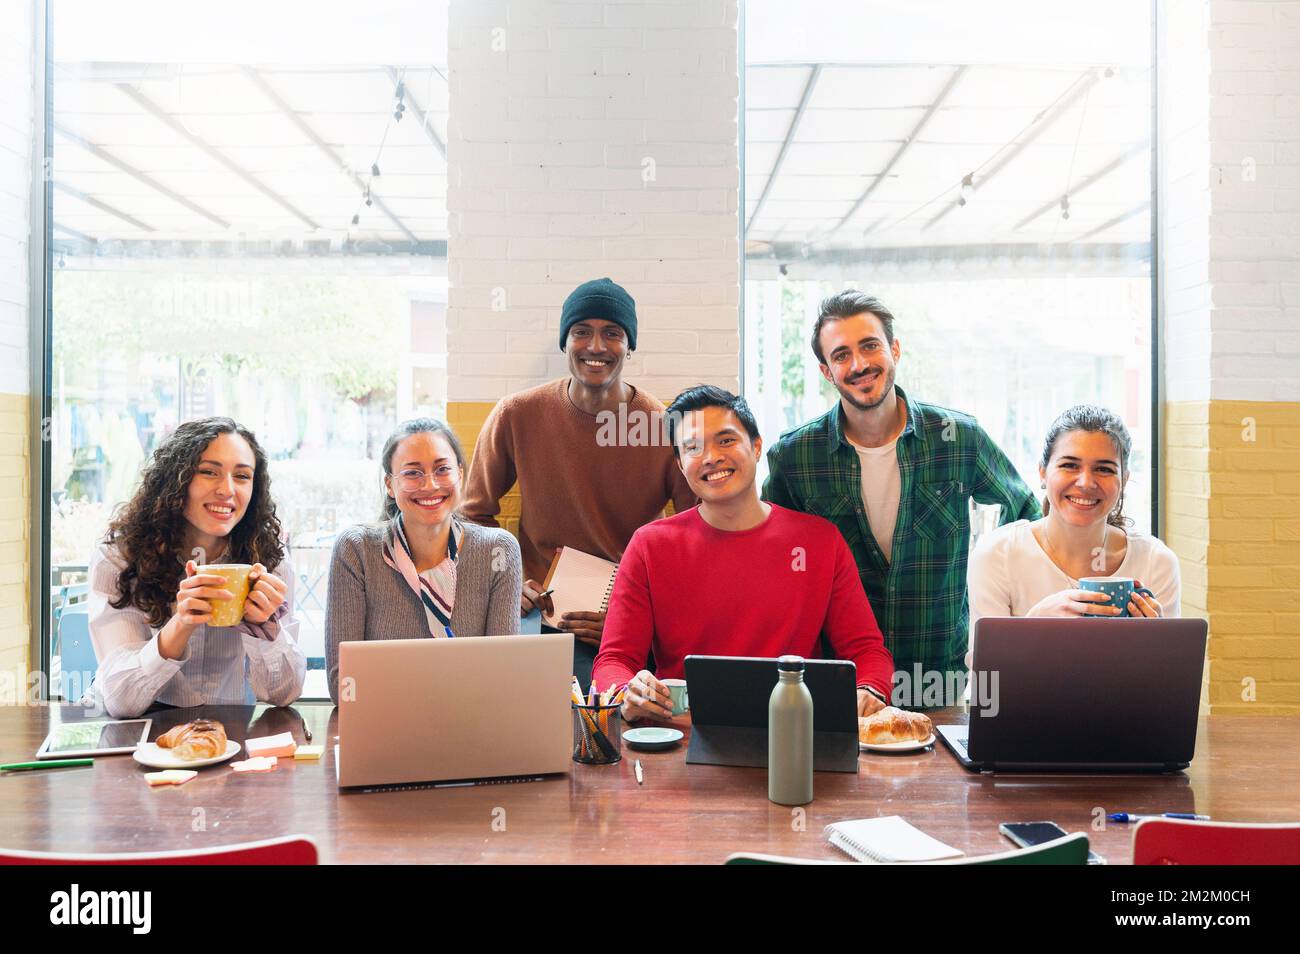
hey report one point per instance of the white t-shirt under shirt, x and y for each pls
(882, 486)
(1010, 572)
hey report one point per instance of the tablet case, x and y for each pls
(729, 696)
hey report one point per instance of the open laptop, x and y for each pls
(419, 711)
(729, 696)
(1082, 695)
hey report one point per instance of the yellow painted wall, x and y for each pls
(466, 418)
(15, 493)
(1232, 512)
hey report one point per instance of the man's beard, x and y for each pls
(852, 398)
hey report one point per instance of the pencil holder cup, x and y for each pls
(597, 734)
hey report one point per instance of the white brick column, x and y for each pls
(590, 140)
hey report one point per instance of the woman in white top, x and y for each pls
(204, 497)
(1032, 568)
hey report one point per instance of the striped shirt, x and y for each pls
(220, 666)
(944, 460)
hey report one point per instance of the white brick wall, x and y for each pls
(1231, 199)
(590, 140)
(16, 84)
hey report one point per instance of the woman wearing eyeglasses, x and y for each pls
(422, 572)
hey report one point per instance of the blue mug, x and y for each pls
(1118, 588)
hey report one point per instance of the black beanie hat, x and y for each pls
(603, 299)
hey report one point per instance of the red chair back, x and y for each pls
(293, 850)
(1173, 841)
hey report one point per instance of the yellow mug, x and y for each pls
(229, 612)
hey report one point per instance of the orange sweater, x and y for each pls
(587, 482)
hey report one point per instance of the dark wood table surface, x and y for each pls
(1246, 769)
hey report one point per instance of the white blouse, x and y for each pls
(1010, 572)
(132, 674)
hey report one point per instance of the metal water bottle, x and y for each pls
(790, 736)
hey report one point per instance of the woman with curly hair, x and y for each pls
(205, 497)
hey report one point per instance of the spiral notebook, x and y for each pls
(886, 840)
(582, 583)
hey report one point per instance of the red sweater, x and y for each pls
(685, 587)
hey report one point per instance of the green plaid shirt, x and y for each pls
(944, 459)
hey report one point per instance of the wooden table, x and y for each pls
(1246, 769)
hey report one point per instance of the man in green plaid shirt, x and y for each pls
(895, 476)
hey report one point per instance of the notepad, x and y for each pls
(273, 746)
(582, 583)
(262, 763)
(170, 777)
(886, 840)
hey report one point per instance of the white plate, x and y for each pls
(912, 746)
(151, 755)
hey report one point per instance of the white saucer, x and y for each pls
(148, 753)
(912, 746)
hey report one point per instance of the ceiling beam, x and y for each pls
(99, 152)
(930, 110)
(1093, 177)
(416, 110)
(104, 206)
(808, 88)
(1111, 223)
(1040, 124)
(213, 153)
(82, 236)
(305, 128)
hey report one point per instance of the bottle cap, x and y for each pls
(790, 664)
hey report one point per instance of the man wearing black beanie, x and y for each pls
(588, 453)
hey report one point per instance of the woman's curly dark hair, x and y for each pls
(149, 531)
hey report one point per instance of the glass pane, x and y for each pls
(249, 223)
(987, 177)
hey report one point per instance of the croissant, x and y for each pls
(891, 724)
(201, 739)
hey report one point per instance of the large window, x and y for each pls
(985, 170)
(249, 219)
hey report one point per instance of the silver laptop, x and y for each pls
(1082, 695)
(420, 711)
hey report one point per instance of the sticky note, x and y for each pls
(272, 746)
(259, 764)
(170, 777)
(308, 752)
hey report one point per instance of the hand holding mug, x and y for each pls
(265, 594)
(647, 698)
(195, 594)
(1142, 605)
(1074, 603)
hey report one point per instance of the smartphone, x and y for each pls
(1028, 834)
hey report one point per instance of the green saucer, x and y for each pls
(652, 738)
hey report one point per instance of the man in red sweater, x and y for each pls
(734, 576)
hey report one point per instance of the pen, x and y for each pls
(450, 634)
(1126, 817)
(639, 779)
(51, 763)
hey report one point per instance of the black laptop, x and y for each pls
(729, 696)
(1082, 695)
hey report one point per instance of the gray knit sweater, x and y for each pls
(368, 599)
